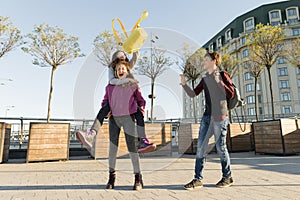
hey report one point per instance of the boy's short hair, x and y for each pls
(115, 59)
(213, 55)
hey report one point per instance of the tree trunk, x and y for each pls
(256, 97)
(152, 99)
(50, 94)
(194, 102)
(271, 91)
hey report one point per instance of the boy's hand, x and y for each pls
(182, 76)
(217, 77)
(108, 115)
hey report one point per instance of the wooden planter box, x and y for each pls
(48, 141)
(277, 136)
(239, 140)
(5, 130)
(160, 134)
(187, 138)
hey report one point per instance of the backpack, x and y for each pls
(236, 101)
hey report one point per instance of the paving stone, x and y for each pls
(255, 177)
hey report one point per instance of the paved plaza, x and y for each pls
(256, 177)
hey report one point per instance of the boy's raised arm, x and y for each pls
(134, 59)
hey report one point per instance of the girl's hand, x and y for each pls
(182, 76)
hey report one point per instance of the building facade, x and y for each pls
(285, 77)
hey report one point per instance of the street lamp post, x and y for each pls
(8, 108)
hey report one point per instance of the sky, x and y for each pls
(79, 86)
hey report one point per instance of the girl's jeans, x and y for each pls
(209, 127)
(115, 124)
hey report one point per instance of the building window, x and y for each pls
(258, 87)
(275, 14)
(228, 35)
(275, 17)
(293, 21)
(249, 87)
(296, 31)
(245, 53)
(248, 76)
(287, 109)
(250, 99)
(285, 96)
(283, 71)
(281, 60)
(284, 84)
(298, 71)
(291, 12)
(259, 98)
(243, 41)
(298, 83)
(211, 47)
(292, 15)
(276, 23)
(219, 41)
(251, 111)
(260, 110)
(249, 24)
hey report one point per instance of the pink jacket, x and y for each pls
(123, 100)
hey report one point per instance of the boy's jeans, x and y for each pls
(209, 127)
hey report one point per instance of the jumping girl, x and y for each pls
(87, 138)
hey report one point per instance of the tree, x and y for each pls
(190, 65)
(230, 64)
(266, 44)
(292, 52)
(254, 67)
(152, 67)
(51, 47)
(10, 36)
(104, 46)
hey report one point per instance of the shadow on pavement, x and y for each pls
(281, 164)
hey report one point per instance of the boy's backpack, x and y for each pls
(236, 101)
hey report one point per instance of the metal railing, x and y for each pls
(20, 130)
(20, 126)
